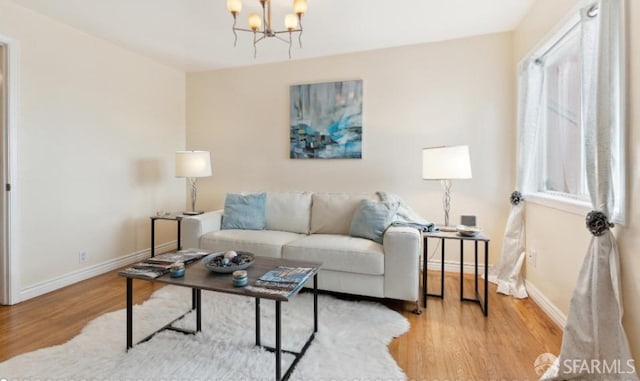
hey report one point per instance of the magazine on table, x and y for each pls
(159, 265)
(144, 272)
(284, 278)
(182, 256)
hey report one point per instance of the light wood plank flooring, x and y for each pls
(449, 341)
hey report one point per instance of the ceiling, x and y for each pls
(195, 35)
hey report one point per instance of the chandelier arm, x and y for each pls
(300, 27)
(287, 31)
(233, 28)
(246, 30)
(289, 44)
(255, 49)
(282, 39)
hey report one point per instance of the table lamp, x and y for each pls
(446, 164)
(192, 165)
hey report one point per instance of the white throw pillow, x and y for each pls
(288, 211)
(331, 213)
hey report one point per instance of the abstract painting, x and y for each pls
(326, 120)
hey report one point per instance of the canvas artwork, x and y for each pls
(326, 120)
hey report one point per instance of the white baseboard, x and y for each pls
(546, 305)
(554, 313)
(90, 272)
(454, 266)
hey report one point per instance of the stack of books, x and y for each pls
(160, 264)
(282, 280)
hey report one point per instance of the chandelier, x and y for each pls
(261, 26)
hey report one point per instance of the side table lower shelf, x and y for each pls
(482, 300)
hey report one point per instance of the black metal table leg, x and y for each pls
(153, 237)
(442, 270)
(129, 313)
(278, 343)
(486, 278)
(476, 266)
(179, 223)
(425, 255)
(461, 270)
(257, 321)
(315, 302)
(198, 309)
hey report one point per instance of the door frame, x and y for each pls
(9, 248)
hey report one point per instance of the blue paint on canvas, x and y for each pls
(326, 120)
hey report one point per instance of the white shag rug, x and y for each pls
(351, 342)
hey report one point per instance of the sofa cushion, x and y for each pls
(244, 211)
(339, 253)
(372, 218)
(264, 243)
(288, 211)
(331, 213)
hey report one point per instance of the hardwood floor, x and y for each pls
(450, 340)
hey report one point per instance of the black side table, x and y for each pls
(443, 236)
(177, 217)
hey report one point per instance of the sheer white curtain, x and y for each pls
(594, 344)
(507, 272)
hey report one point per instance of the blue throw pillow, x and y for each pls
(244, 211)
(372, 218)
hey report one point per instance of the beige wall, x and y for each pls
(454, 92)
(98, 128)
(560, 238)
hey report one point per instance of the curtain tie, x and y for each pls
(598, 222)
(516, 197)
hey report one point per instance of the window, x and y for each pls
(562, 170)
(560, 163)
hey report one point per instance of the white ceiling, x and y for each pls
(195, 35)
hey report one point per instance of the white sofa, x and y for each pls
(316, 226)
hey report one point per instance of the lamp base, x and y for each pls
(192, 213)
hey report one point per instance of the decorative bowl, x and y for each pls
(214, 262)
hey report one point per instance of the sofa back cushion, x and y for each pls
(244, 211)
(331, 213)
(288, 211)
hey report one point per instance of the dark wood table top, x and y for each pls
(198, 276)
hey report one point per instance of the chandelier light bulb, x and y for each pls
(234, 6)
(291, 21)
(300, 6)
(255, 21)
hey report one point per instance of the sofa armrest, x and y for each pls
(402, 249)
(193, 227)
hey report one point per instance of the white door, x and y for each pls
(8, 169)
(3, 199)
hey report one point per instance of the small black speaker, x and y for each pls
(468, 220)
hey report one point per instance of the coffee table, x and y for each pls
(198, 278)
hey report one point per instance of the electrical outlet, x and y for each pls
(532, 255)
(82, 257)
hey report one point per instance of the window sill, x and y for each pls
(560, 203)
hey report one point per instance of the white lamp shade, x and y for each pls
(193, 164)
(444, 163)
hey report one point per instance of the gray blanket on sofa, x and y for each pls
(405, 215)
